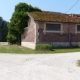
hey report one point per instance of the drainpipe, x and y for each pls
(69, 35)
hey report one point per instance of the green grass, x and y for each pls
(78, 63)
(24, 50)
(62, 50)
(15, 49)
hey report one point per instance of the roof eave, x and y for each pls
(58, 21)
(30, 16)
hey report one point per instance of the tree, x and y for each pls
(25, 7)
(18, 21)
(3, 30)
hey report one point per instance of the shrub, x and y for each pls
(78, 63)
(43, 47)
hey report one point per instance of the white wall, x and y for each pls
(28, 44)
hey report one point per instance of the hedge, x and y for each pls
(43, 47)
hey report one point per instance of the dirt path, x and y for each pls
(39, 66)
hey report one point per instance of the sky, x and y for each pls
(7, 6)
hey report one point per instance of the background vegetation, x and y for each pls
(3, 30)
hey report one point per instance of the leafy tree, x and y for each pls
(22, 7)
(3, 30)
(18, 21)
(25, 7)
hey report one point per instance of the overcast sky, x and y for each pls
(7, 6)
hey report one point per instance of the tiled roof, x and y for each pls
(54, 16)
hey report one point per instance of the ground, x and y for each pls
(39, 66)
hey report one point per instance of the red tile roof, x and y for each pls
(54, 16)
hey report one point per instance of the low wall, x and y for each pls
(64, 44)
(3, 43)
(28, 44)
(54, 44)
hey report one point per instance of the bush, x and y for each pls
(43, 47)
(78, 63)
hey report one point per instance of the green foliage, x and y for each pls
(18, 21)
(78, 63)
(43, 47)
(36, 9)
(22, 7)
(11, 38)
(25, 7)
(3, 30)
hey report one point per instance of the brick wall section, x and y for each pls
(75, 38)
(72, 28)
(29, 35)
(58, 37)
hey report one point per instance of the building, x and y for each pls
(57, 29)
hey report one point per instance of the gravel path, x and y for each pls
(39, 66)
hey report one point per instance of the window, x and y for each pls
(78, 28)
(53, 27)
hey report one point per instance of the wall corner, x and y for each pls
(37, 32)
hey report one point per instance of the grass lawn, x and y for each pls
(20, 49)
(15, 49)
(65, 50)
